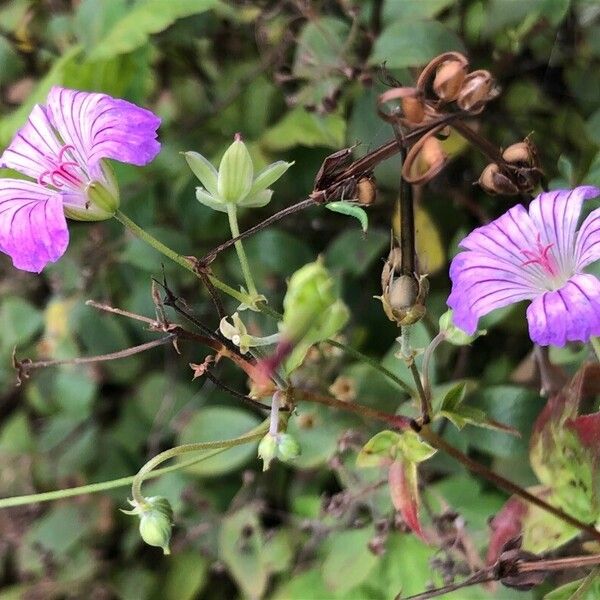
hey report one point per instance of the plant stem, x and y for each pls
(185, 262)
(427, 355)
(595, 342)
(239, 248)
(143, 473)
(398, 421)
(440, 443)
(373, 363)
(103, 486)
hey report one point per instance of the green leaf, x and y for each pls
(320, 47)
(241, 543)
(16, 119)
(143, 19)
(303, 128)
(413, 43)
(379, 450)
(19, 322)
(567, 591)
(454, 397)
(216, 423)
(513, 406)
(352, 210)
(348, 561)
(354, 253)
(415, 9)
(187, 575)
(412, 448)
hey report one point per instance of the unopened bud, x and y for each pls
(476, 90)
(454, 334)
(448, 80)
(413, 109)
(279, 445)
(366, 191)
(493, 181)
(156, 521)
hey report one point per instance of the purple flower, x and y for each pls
(61, 148)
(535, 255)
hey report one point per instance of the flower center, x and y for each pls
(541, 256)
(66, 173)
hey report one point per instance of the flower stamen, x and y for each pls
(64, 173)
(541, 256)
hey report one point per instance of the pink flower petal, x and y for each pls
(99, 126)
(33, 228)
(587, 248)
(555, 215)
(569, 314)
(35, 147)
(481, 284)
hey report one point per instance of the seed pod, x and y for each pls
(448, 80)
(476, 90)
(413, 109)
(366, 191)
(522, 154)
(403, 296)
(493, 181)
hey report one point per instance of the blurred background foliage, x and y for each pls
(299, 80)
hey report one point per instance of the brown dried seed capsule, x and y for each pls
(448, 80)
(476, 90)
(413, 109)
(432, 152)
(522, 154)
(366, 191)
(493, 181)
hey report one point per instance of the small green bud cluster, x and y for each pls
(279, 445)
(156, 521)
(235, 182)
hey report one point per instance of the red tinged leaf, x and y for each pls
(404, 491)
(587, 428)
(505, 526)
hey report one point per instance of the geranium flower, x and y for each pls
(61, 148)
(536, 255)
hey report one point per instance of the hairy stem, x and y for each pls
(143, 473)
(103, 486)
(396, 421)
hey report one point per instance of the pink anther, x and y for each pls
(541, 256)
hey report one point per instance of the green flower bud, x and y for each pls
(280, 445)
(309, 300)
(156, 521)
(236, 172)
(234, 182)
(287, 447)
(267, 450)
(454, 334)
